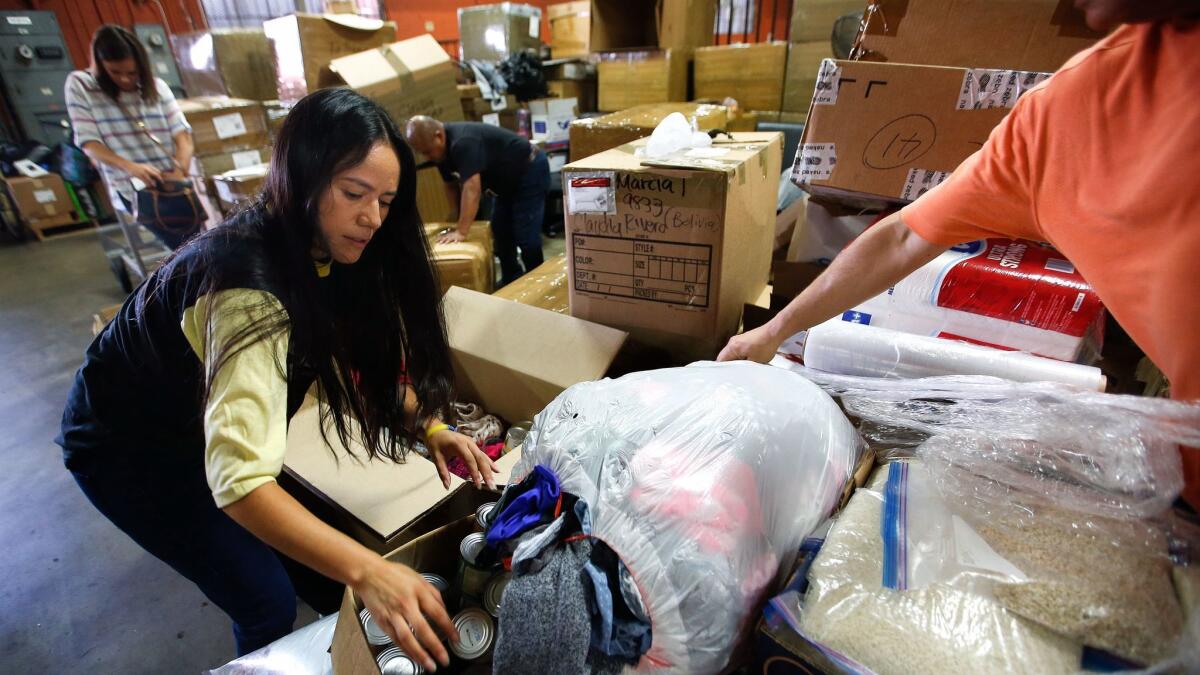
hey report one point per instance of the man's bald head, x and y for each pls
(427, 136)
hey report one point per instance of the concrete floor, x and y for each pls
(77, 595)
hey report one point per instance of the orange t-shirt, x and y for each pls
(1103, 161)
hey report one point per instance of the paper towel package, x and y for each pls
(1009, 294)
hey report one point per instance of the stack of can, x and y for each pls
(478, 588)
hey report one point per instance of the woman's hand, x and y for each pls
(144, 172)
(445, 444)
(404, 605)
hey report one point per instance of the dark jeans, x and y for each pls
(175, 519)
(517, 221)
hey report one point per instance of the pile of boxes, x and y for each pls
(39, 204)
(230, 134)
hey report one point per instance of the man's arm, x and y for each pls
(468, 205)
(452, 197)
(882, 256)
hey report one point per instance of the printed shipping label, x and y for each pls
(815, 161)
(225, 192)
(983, 88)
(826, 92)
(246, 158)
(44, 196)
(593, 193)
(228, 126)
(20, 21)
(920, 181)
(492, 119)
(535, 27)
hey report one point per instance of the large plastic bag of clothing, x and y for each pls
(1054, 502)
(704, 480)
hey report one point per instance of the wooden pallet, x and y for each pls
(44, 233)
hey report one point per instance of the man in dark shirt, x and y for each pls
(473, 157)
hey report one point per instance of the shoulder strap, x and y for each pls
(141, 126)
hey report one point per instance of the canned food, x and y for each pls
(472, 577)
(437, 581)
(392, 661)
(494, 593)
(375, 634)
(476, 633)
(483, 515)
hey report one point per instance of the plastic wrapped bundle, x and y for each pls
(704, 480)
(1052, 500)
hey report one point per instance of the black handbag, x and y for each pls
(171, 209)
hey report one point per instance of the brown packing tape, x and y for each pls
(402, 72)
(50, 210)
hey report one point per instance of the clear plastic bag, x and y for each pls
(1071, 488)
(705, 480)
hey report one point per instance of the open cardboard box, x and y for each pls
(511, 358)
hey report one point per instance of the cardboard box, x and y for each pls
(881, 133)
(568, 69)
(468, 264)
(410, 77)
(223, 124)
(510, 358)
(41, 203)
(475, 108)
(207, 166)
(596, 134)
(494, 32)
(1034, 35)
(583, 91)
(100, 319)
(551, 119)
(304, 44)
(671, 250)
(812, 20)
(545, 287)
(750, 73)
(235, 62)
(432, 202)
(803, 63)
(628, 79)
(570, 28)
(240, 185)
(515, 120)
(276, 112)
(677, 25)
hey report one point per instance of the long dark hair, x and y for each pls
(383, 331)
(111, 42)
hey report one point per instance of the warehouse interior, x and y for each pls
(609, 336)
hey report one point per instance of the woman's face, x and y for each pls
(354, 206)
(123, 73)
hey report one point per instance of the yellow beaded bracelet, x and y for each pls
(434, 429)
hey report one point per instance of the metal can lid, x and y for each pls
(375, 634)
(393, 661)
(494, 593)
(476, 632)
(483, 514)
(437, 581)
(471, 545)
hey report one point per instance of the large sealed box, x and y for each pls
(545, 287)
(593, 135)
(670, 250)
(410, 77)
(1038, 35)
(42, 202)
(239, 185)
(570, 28)
(881, 133)
(510, 358)
(812, 20)
(223, 124)
(752, 74)
(803, 63)
(678, 25)
(235, 62)
(494, 32)
(304, 44)
(630, 78)
(467, 264)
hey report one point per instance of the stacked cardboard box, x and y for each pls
(494, 32)
(751, 74)
(467, 264)
(318, 39)
(572, 78)
(594, 135)
(671, 249)
(809, 38)
(570, 29)
(474, 109)
(239, 186)
(226, 62)
(229, 133)
(550, 120)
(644, 50)
(887, 132)
(41, 203)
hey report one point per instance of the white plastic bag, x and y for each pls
(705, 480)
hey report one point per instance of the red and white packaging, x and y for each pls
(1005, 293)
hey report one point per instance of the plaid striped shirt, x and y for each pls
(96, 117)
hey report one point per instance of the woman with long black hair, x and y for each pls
(175, 427)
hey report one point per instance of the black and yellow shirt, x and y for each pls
(139, 393)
